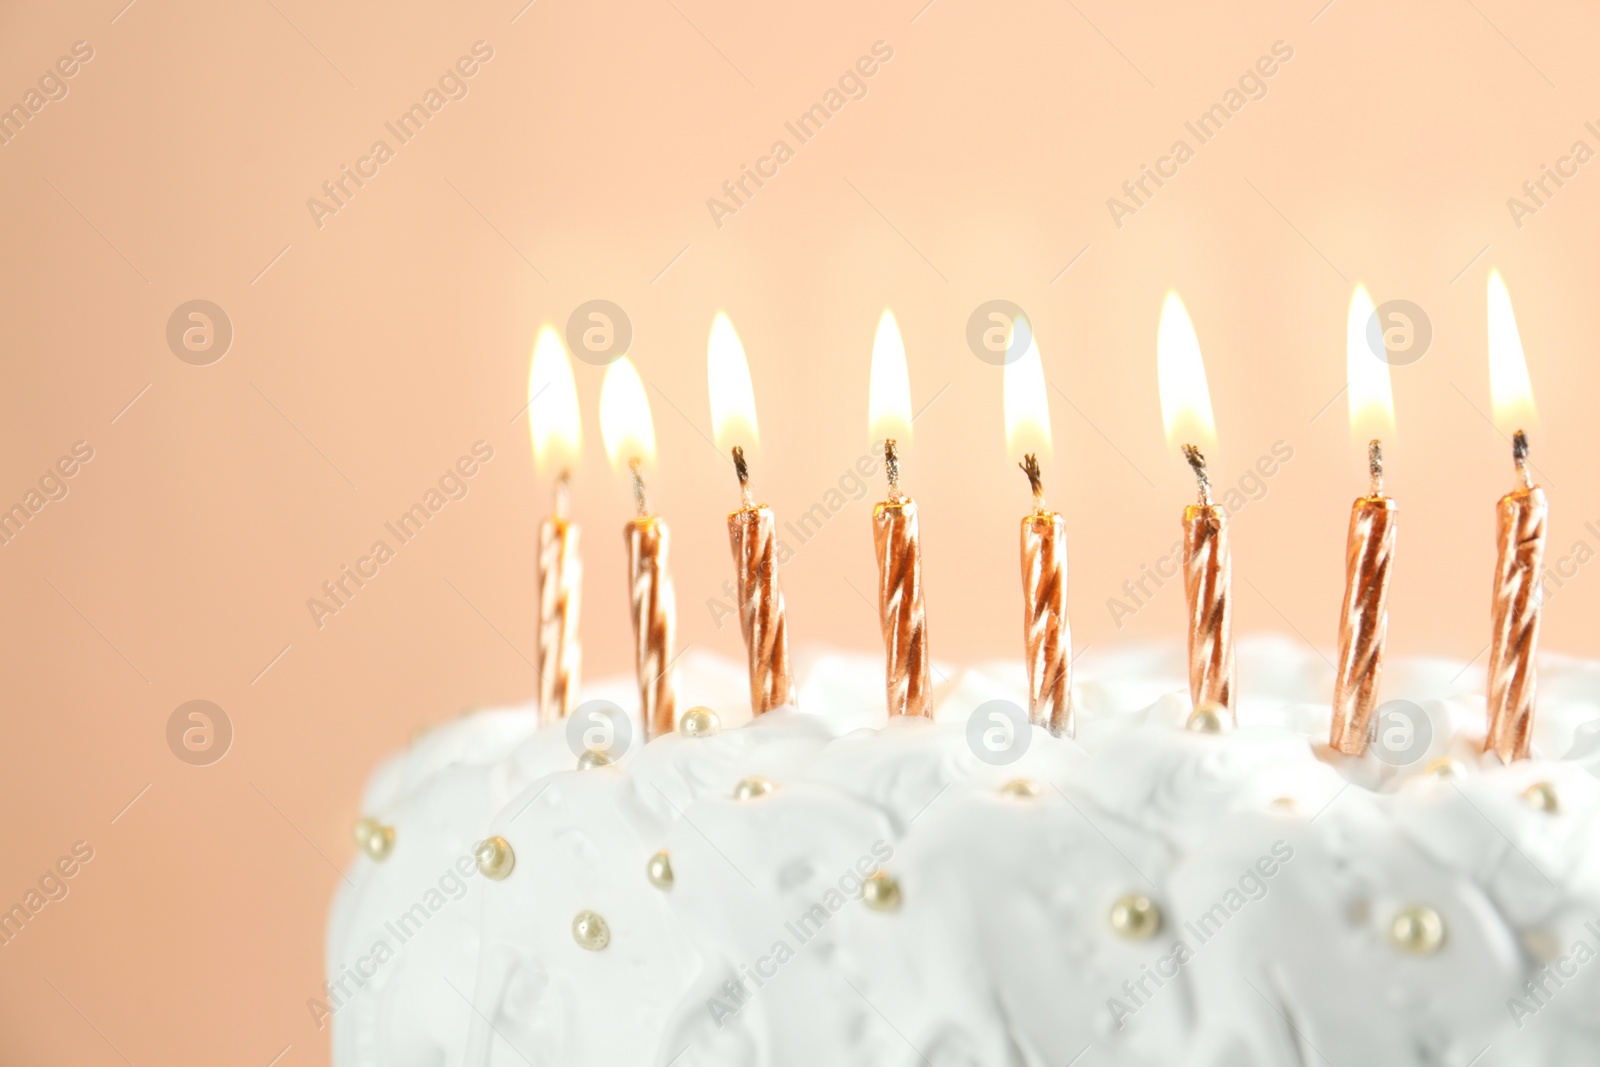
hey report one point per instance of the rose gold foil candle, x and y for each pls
(560, 581)
(752, 530)
(1523, 520)
(752, 534)
(654, 615)
(895, 533)
(1047, 635)
(1208, 586)
(1207, 565)
(904, 620)
(630, 439)
(1364, 620)
(557, 435)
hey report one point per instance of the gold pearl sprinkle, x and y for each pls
(593, 758)
(1208, 718)
(495, 858)
(752, 787)
(699, 722)
(1444, 767)
(1135, 917)
(1021, 787)
(1418, 930)
(659, 870)
(1542, 795)
(379, 841)
(363, 829)
(1285, 806)
(590, 931)
(880, 892)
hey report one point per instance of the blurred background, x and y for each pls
(163, 152)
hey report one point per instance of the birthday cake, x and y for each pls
(822, 886)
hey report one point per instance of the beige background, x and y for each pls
(370, 352)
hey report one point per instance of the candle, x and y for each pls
(1369, 546)
(1207, 563)
(895, 534)
(630, 439)
(557, 434)
(752, 529)
(1523, 521)
(1047, 637)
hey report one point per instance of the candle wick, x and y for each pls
(891, 468)
(1519, 454)
(742, 469)
(563, 493)
(1197, 460)
(638, 488)
(1375, 465)
(1030, 467)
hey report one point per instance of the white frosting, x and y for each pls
(1001, 950)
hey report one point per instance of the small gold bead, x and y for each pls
(1542, 795)
(1135, 917)
(880, 892)
(1285, 805)
(659, 870)
(495, 858)
(1418, 930)
(379, 841)
(363, 829)
(1444, 767)
(699, 722)
(1021, 787)
(593, 758)
(1209, 718)
(590, 931)
(752, 787)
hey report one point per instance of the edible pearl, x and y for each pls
(1135, 917)
(1286, 805)
(699, 722)
(752, 787)
(375, 839)
(881, 892)
(1208, 718)
(590, 931)
(1418, 930)
(1021, 787)
(495, 858)
(659, 870)
(593, 758)
(1542, 795)
(1444, 767)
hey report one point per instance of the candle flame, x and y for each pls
(625, 421)
(1181, 377)
(1027, 406)
(733, 400)
(889, 392)
(1509, 388)
(553, 405)
(1371, 398)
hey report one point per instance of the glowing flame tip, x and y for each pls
(889, 391)
(625, 422)
(553, 417)
(1181, 375)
